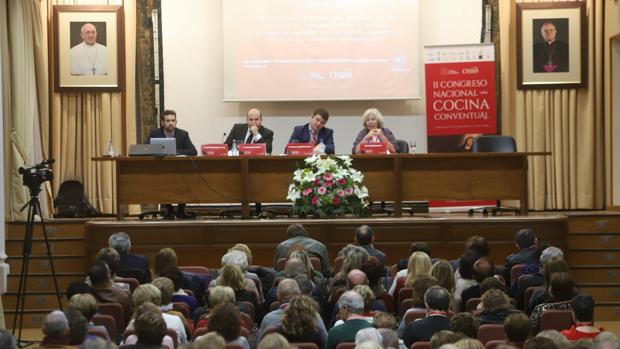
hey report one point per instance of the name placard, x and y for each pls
(216, 149)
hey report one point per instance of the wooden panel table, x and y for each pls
(248, 179)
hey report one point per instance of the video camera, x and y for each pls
(36, 175)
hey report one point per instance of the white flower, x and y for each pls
(361, 192)
(324, 165)
(356, 176)
(312, 160)
(346, 158)
(293, 193)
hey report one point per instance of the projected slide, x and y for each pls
(320, 49)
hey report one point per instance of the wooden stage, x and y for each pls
(203, 242)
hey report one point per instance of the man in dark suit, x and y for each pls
(551, 55)
(129, 263)
(437, 301)
(315, 132)
(526, 242)
(251, 132)
(168, 129)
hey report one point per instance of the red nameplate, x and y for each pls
(216, 149)
(373, 148)
(252, 148)
(299, 149)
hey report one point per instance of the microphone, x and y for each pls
(223, 137)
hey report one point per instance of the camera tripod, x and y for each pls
(34, 208)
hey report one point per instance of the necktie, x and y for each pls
(249, 138)
(313, 137)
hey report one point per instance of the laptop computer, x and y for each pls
(146, 150)
(169, 145)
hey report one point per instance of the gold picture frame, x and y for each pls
(552, 45)
(89, 48)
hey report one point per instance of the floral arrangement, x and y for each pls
(328, 187)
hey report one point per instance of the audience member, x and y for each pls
(147, 307)
(87, 305)
(7, 340)
(469, 343)
(302, 323)
(465, 274)
(274, 341)
(150, 329)
(179, 295)
(443, 337)
(76, 287)
(112, 259)
(150, 293)
(211, 340)
(297, 235)
(368, 334)
(365, 238)
(483, 268)
(525, 242)
(495, 306)
(225, 319)
(437, 301)
(541, 294)
(231, 276)
(351, 308)
(353, 258)
(389, 339)
(56, 331)
(78, 326)
(606, 340)
(97, 343)
(464, 323)
(130, 265)
(562, 291)
(287, 289)
(583, 319)
(518, 329)
(475, 244)
(368, 345)
(374, 273)
(414, 247)
(166, 288)
(539, 343)
(164, 258)
(382, 319)
(420, 286)
(419, 263)
(556, 337)
(103, 290)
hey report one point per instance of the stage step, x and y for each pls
(44, 282)
(34, 301)
(41, 264)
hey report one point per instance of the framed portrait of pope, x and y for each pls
(89, 48)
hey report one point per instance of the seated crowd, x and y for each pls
(419, 302)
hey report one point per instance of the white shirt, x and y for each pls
(255, 138)
(89, 59)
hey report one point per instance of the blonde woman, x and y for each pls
(419, 263)
(374, 132)
(299, 323)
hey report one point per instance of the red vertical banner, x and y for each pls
(460, 98)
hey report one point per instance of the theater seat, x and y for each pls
(421, 345)
(346, 345)
(304, 345)
(489, 332)
(556, 320)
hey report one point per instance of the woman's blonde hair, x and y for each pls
(443, 272)
(419, 263)
(231, 275)
(274, 341)
(146, 293)
(367, 295)
(220, 295)
(373, 112)
(300, 316)
(305, 257)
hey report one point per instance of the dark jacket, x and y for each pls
(301, 134)
(495, 317)
(239, 132)
(423, 329)
(130, 261)
(184, 144)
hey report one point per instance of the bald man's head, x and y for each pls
(356, 277)
(294, 267)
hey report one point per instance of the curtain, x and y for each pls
(25, 93)
(84, 122)
(566, 122)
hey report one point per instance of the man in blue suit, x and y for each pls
(315, 132)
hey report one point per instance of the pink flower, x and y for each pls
(306, 191)
(349, 190)
(317, 182)
(314, 201)
(328, 176)
(322, 190)
(329, 184)
(341, 193)
(335, 200)
(342, 181)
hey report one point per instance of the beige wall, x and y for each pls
(612, 101)
(194, 82)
